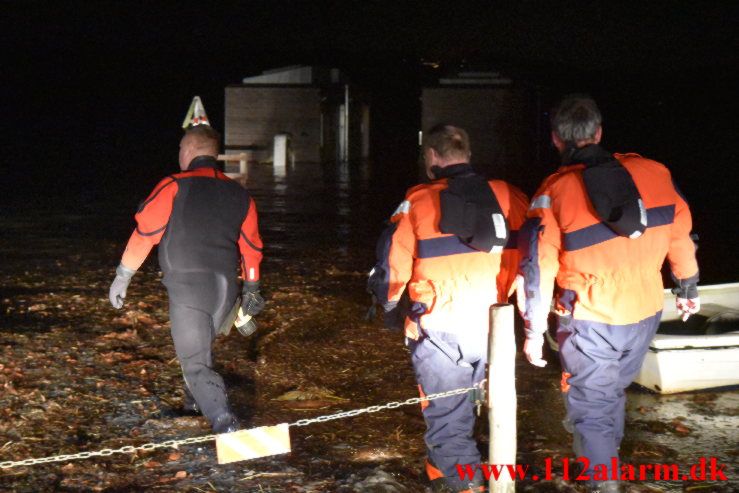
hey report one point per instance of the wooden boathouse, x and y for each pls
(324, 117)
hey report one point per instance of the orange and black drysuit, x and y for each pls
(206, 228)
(608, 287)
(451, 287)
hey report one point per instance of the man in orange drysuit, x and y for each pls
(601, 227)
(206, 228)
(454, 261)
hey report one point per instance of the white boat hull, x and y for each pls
(681, 370)
(680, 363)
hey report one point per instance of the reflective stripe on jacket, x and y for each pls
(204, 221)
(451, 285)
(600, 276)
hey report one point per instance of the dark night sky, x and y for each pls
(100, 86)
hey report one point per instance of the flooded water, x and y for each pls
(710, 428)
(319, 224)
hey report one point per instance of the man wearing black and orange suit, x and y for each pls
(597, 233)
(206, 228)
(453, 252)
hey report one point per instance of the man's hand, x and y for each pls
(251, 301)
(687, 301)
(532, 348)
(687, 306)
(393, 319)
(117, 292)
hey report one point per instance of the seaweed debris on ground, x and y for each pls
(77, 375)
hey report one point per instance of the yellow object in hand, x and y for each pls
(242, 318)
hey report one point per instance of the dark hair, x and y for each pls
(448, 141)
(576, 118)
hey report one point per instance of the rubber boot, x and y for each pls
(441, 484)
(189, 405)
(225, 423)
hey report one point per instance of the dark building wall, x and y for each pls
(255, 114)
(495, 119)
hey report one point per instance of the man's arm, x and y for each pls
(399, 264)
(151, 223)
(681, 256)
(510, 258)
(250, 248)
(250, 245)
(539, 246)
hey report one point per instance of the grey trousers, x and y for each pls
(198, 303)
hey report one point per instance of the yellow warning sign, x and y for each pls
(253, 443)
(195, 114)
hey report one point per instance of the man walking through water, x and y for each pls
(451, 248)
(597, 233)
(206, 228)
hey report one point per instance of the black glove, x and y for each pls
(251, 301)
(393, 318)
(687, 291)
(117, 292)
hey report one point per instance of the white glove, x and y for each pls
(532, 348)
(687, 306)
(117, 291)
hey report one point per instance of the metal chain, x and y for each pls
(105, 452)
(374, 409)
(173, 443)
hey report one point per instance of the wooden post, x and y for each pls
(242, 164)
(279, 154)
(242, 159)
(501, 394)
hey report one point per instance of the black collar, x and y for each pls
(452, 170)
(590, 155)
(203, 162)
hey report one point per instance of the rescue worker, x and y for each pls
(451, 250)
(206, 228)
(597, 233)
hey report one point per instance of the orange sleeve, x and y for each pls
(151, 223)
(681, 253)
(250, 244)
(402, 252)
(510, 258)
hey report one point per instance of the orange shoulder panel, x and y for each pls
(151, 222)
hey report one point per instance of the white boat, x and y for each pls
(701, 353)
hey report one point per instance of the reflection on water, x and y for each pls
(682, 428)
(329, 206)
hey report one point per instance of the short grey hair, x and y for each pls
(576, 118)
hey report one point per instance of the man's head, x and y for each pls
(576, 120)
(198, 141)
(444, 145)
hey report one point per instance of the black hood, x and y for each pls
(611, 190)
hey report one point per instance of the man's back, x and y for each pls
(207, 214)
(617, 279)
(601, 227)
(455, 282)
